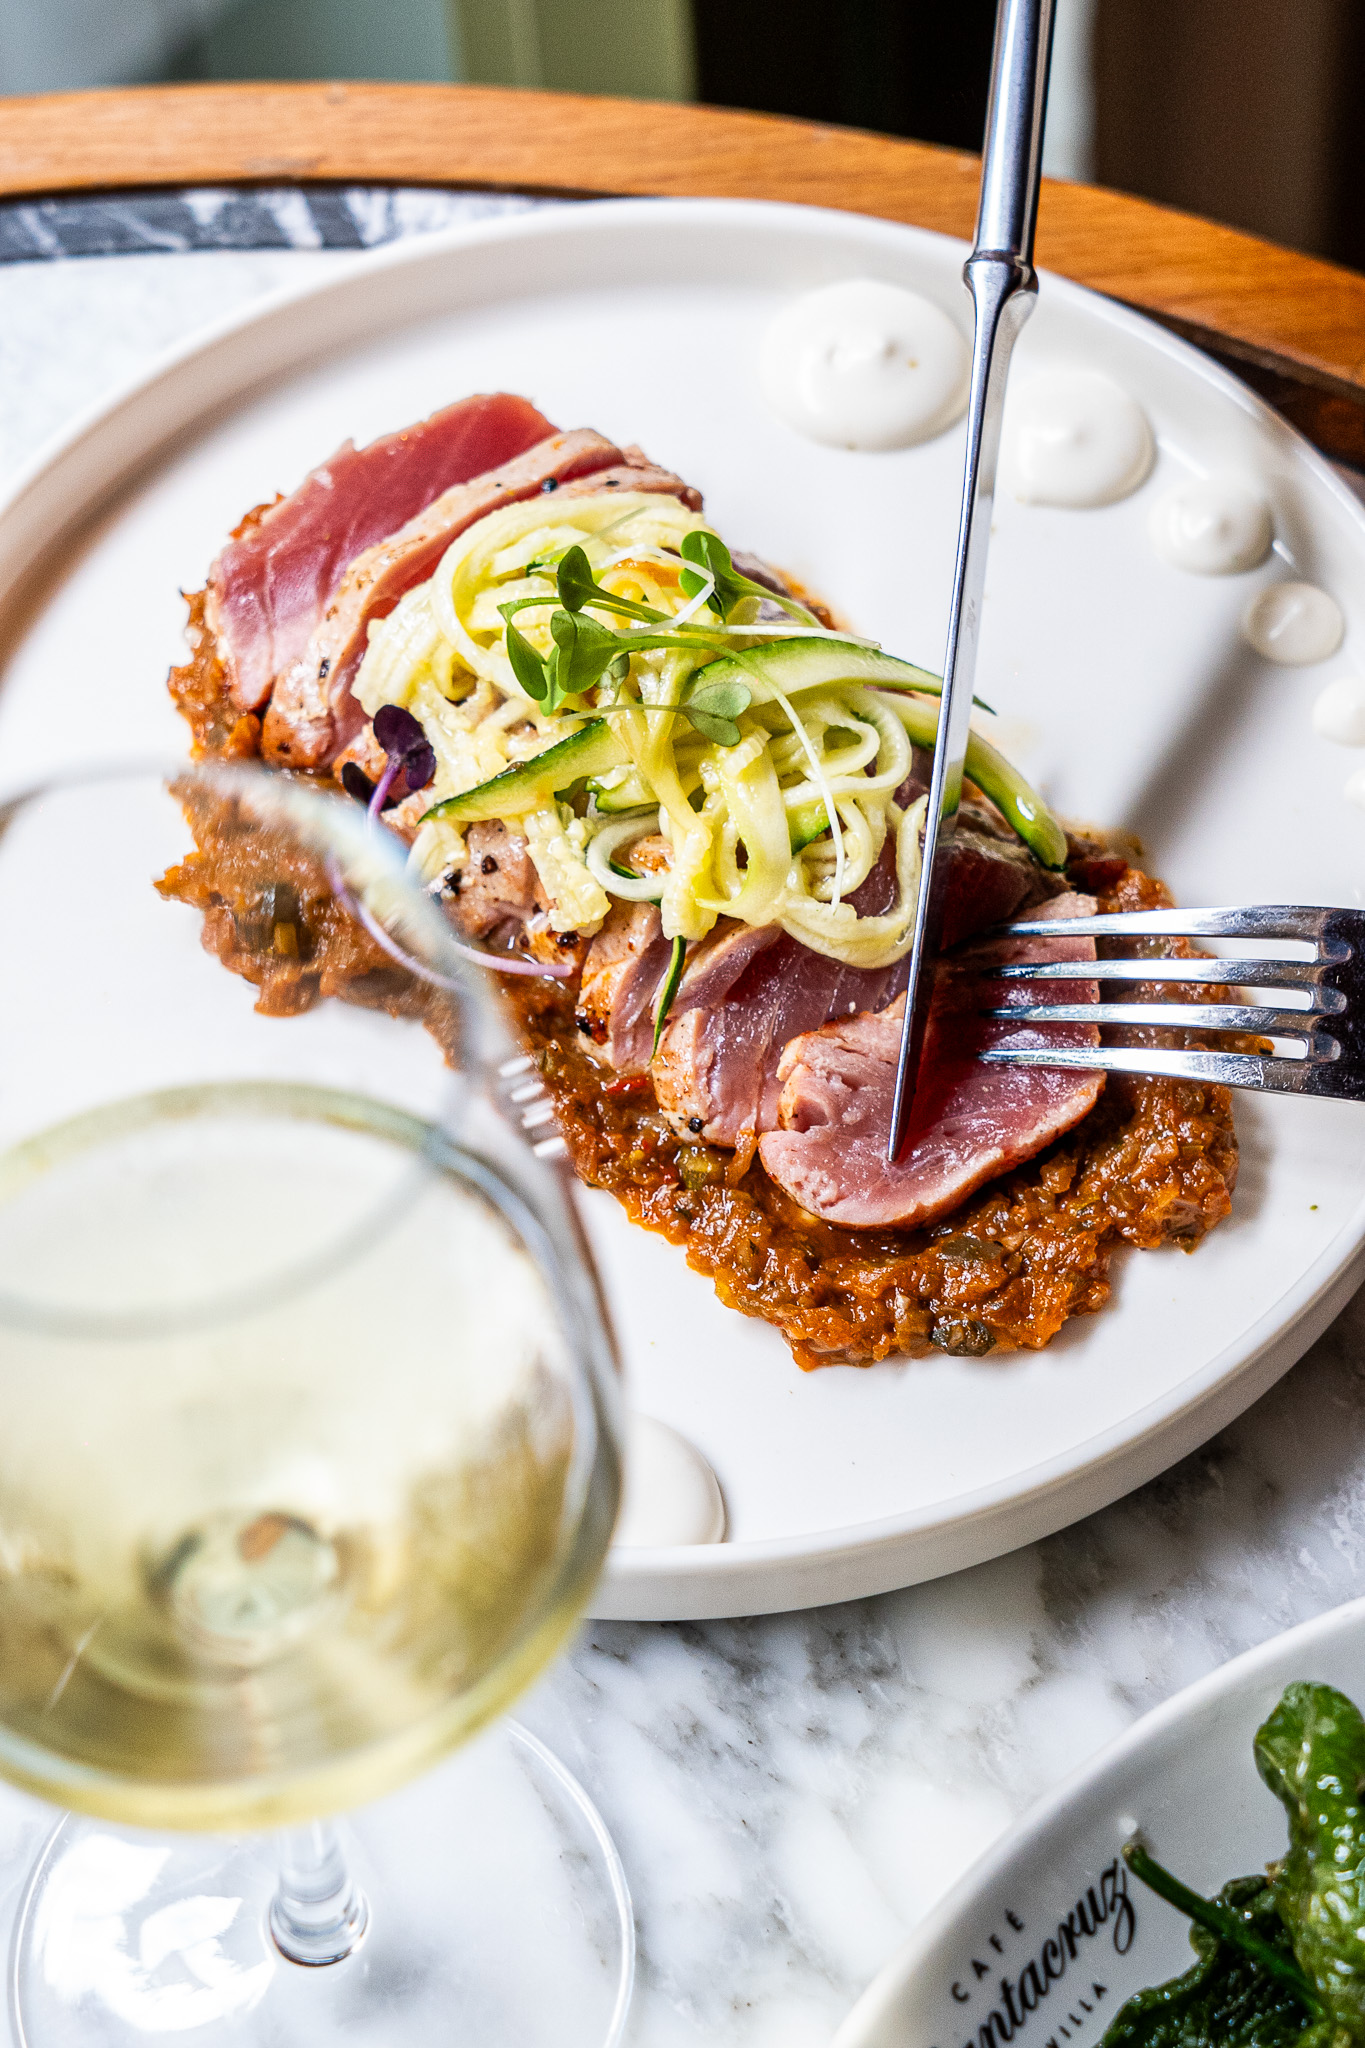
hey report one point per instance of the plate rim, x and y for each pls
(1024, 1834)
(852, 1560)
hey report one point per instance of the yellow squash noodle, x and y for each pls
(780, 828)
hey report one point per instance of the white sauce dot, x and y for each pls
(1213, 526)
(865, 365)
(1076, 438)
(1339, 713)
(1294, 624)
(671, 1494)
(1354, 791)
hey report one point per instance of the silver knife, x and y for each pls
(999, 275)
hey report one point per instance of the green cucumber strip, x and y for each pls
(800, 664)
(623, 793)
(528, 785)
(667, 992)
(807, 822)
(1002, 783)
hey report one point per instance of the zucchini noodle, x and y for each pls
(821, 781)
(615, 839)
(836, 928)
(782, 826)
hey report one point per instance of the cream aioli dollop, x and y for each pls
(1294, 624)
(1339, 713)
(1075, 438)
(671, 1494)
(1212, 526)
(865, 365)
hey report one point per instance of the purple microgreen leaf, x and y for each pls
(356, 782)
(420, 766)
(397, 731)
(410, 753)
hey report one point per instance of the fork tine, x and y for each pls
(1332, 983)
(1234, 973)
(1233, 921)
(1188, 1016)
(1232, 1069)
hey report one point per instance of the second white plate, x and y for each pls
(1185, 1775)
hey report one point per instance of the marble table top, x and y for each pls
(792, 1794)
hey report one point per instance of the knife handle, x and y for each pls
(1012, 159)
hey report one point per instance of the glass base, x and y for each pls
(498, 1914)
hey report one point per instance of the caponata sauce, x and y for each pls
(1154, 1162)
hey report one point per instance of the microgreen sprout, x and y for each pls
(712, 709)
(528, 668)
(577, 587)
(586, 652)
(583, 653)
(711, 557)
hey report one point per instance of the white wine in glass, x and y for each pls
(309, 1467)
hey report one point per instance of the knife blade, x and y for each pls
(999, 275)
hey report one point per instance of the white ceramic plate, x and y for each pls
(1125, 689)
(1184, 1773)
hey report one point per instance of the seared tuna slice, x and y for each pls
(716, 963)
(273, 581)
(971, 1121)
(716, 1070)
(621, 975)
(636, 472)
(312, 714)
(497, 891)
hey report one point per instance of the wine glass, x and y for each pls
(309, 1459)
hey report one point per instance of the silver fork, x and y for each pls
(529, 1102)
(1333, 980)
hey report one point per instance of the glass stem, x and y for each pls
(319, 1913)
